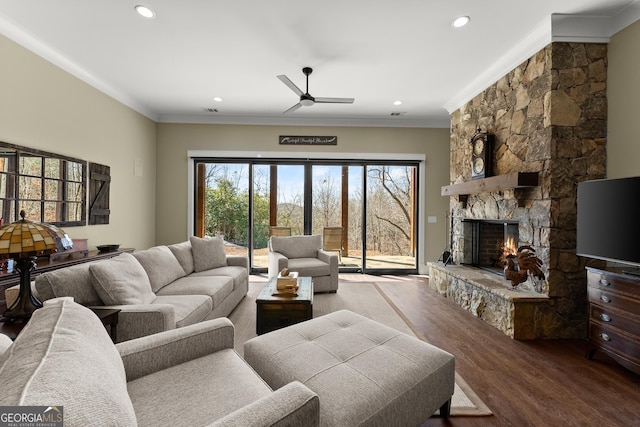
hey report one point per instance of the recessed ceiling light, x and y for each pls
(217, 99)
(145, 11)
(398, 102)
(460, 22)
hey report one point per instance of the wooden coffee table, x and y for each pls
(275, 312)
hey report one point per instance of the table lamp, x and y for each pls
(23, 240)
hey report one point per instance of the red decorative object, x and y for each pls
(528, 263)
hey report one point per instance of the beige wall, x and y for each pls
(623, 93)
(45, 108)
(175, 140)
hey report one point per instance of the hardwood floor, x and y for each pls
(524, 383)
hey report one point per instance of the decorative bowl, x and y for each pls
(108, 248)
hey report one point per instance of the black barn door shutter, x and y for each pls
(99, 183)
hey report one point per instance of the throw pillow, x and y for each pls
(208, 253)
(121, 281)
(182, 252)
(161, 266)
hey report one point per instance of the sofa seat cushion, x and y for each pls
(239, 274)
(216, 384)
(161, 265)
(309, 267)
(188, 309)
(64, 356)
(73, 281)
(121, 281)
(215, 287)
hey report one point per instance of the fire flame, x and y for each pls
(509, 247)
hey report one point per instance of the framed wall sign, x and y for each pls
(308, 140)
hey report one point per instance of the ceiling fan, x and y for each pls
(307, 100)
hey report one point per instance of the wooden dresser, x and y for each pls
(614, 315)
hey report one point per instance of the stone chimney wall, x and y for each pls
(549, 115)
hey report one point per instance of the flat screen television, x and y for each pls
(608, 226)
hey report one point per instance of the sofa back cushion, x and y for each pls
(121, 280)
(297, 246)
(65, 357)
(182, 252)
(208, 253)
(74, 281)
(161, 266)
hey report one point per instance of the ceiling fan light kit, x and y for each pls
(307, 100)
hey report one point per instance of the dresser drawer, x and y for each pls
(605, 298)
(614, 282)
(618, 343)
(609, 317)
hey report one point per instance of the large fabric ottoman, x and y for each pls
(365, 373)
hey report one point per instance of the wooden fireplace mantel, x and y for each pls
(507, 181)
(494, 183)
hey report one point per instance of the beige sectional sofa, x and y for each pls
(156, 289)
(189, 376)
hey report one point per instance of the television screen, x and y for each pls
(608, 226)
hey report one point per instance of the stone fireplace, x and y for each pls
(549, 118)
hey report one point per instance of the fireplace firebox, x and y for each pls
(487, 242)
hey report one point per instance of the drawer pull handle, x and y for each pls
(605, 317)
(605, 298)
(605, 337)
(604, 282)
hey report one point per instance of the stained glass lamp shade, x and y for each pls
(23, 240)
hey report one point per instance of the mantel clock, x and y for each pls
(481, 154)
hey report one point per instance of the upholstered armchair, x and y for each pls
(305, 255)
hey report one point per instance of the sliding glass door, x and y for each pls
(222, 204)
(390, 217)
(365, 212)
(278, 206)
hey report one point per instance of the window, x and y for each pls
(373, 203)
(48, 187)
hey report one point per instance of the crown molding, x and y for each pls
(306, 121)
(17, 34)
(554, 28)
(537, 38)
(626, 17)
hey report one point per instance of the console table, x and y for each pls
(9, 279)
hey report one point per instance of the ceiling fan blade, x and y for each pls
(334, 100)
(291, 84)
(294, 108)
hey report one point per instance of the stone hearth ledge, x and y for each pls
(490, 297)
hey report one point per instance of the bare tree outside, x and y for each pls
(326, 203)
(389, 210)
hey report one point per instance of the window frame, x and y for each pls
(12, 183)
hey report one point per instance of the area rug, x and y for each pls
(368, 300)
